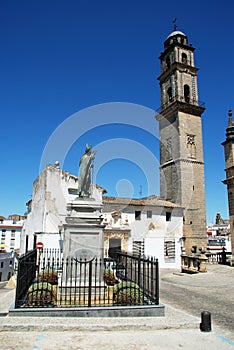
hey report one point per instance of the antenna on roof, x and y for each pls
(140, 192)
(175, 24)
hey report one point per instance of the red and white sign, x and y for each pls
(39, 245)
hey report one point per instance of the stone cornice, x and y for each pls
(173, 161)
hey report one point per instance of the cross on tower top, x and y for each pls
(175, 24)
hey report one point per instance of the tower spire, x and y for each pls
(230, 117)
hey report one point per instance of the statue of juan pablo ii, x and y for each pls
(86, 164)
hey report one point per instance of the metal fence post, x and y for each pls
(90, 284)
(157, 282)
(139, 271)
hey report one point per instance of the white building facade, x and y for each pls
(219, 237)
(148, 226)
(10, 232)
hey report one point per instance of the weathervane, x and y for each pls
(175, 24)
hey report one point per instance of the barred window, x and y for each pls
(169, 250)
(138, 247)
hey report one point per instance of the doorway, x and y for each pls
(114, 247)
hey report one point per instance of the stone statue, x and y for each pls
(86, 163)
(219, 220)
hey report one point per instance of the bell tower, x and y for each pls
(229, 181)
(181, 147)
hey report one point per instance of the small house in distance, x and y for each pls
(10, 232)
(219, 235)
(7, 263)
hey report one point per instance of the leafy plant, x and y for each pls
(41, 294)
(49, 275)
(109, 277)
(127, 293)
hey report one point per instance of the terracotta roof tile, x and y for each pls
(149, 201)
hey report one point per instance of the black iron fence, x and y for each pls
(51, 254)
(223, 257)
(58, 282)
(27, 266)
(144, 271)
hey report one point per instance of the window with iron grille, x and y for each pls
(138, 247)
(169, 250)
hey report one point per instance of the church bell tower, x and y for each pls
(181, 147)
(229, 181)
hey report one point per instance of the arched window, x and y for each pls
(169, 94)
(184, 58)
(186, 93)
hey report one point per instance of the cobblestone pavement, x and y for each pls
(211, 291)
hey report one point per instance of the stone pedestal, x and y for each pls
(83, 239)
(203, 261)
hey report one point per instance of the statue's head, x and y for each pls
(88, 148)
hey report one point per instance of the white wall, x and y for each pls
(52, 190)
(49, 200)
(153, 231)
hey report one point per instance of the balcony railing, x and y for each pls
(182, 99)
(223, 257)
(167, 66)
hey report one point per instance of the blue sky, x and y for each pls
(59, 57)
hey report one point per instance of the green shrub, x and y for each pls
(49, 275)
(41, 294)
(128, 293)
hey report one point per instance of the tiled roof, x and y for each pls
(149, 201)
